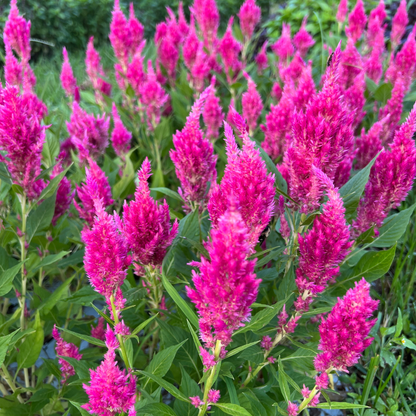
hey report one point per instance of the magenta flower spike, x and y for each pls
(399, 23)
(147, 224)
(120, 137)
(226, 285)
(250, 16)
(261, 59)
(208, 19)
(345, 330)
(342, 11)
(111, 391)
(245, 179)
(324, 247)
(356, 21)
(200, 70)
(283, 47)
(213, 115)
(229, 49)
(168, 54)
(96, 186)
(22, 138)
(379, 12)
(190, 46)
(65, 349)
(375, 30)
(183, 26)
(292, 409)
(98, 331)
(252, 104)
(194, 157)
(136, 30)
(135, 73)
(119, 35)
(303, 40)
(374, 65)
(391, 178)
(305, 90)
(68, 81)
(13, 71)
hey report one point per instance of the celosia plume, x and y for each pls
(261, 58)
(249, 15)
(120, 137)
(208, 18)
(283, 47)
(68, 81)
(64, 194)
(252, 104)
(342, 11)
(99, 331)
(303, 40)
(13, 71)
(356, 21)
(399, 23)
(213, 115)
(229, 49)
(191, 46)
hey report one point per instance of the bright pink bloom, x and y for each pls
(350, 65)
(21, 137)
(213, 396)
(152, 96)
(303, 39)
(136, 30)
(305, 392)
(292, 409)
(168, 55)
(196, 401)
(194, 157)
(249, 15)
(305, 90)
(208, 18)
(64, 195)
(252, 104)
(276, 92)
(111, 391)
(271, 360)
(68, 81)
(342, 11)
(120, 137)
(322, 381)
(266, 343)
(200, 69)
(183, 26)
(323, 247)
(89, 134)
(96, 186)
(229, 49)
(374, 65)
(379, 12)
(135, 73)
(191, 46)
(208, 360)
(261, 59)
(283, 47)
(344, 332)
(213, 115)
(375, 33)
(13, 72)
(399, 23)
(98, 331)
(391, 178)
(315, 400)
(147, 224)
(65, 349)
(246, 180)
(122, 329)
(356, 21)
(226, 285)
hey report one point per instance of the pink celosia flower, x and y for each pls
(96, 186)
(249, 15)
(354, 101)
(226, 285)
(305, 392)
(135, 74)
(120, 137)
(65, 349)
(193, 156)
(208, 18)
(292, 409)
(213, 115)
(350, 65)
(111, 391)
(13, 72)
(136, 30)
(98, 331)
(213, 396)
(208, 360)
(64, 195)
(375, 32)
(344, 332)
(196, 401)
(266, 343)
(21, 137)
(374, 65)
(147, 224)
(322, 381)
(323, 247)
(342, 11)
(391, 178)
(378, 12)
(305, 90)
(191, 46)
(271, 360)
(168, 55)
(276, 92)
(68, 81)
(292, 71)
(261, 59)
(200, 69)
(245, 179)
(183, 26)
(356, 21)
(152, 96)
(229, 49)
(252, 104)
(122, 329)
(399, 23)
(88, 133)
(315, 400)
(303, 40)
(283, 47)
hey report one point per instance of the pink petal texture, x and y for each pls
(229, 49)
(249, 15)
(252, 104)
(213, 115)
(356, 21)
(399, 23)
(68, 81)
(303, 40)
(261, 59)
(342, 11)
(208, 19)
(283, 47)
(120, 137)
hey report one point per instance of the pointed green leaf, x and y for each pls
(87, 338)
(232, 409)
(6, 279)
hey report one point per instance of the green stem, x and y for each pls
(22, 258)
(9, 380)
(119, 337)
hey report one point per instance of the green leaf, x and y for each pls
(52, 300)
(72, 260)
(180, 302)
(194, 336)
(284, 386)
(87, 338)
(168, 192)
(369, 380)
(80, 409)
(6, 279)
(4, 174)
(232, 409)
(340, 406)
(50, 260)
(40, 218)
(31, 347)
(156, 409)
(170, 388)
(102, 314)
(408, 344)
(143, 324)
(231, 390)
(383, 93)
(241, 348)
(53, 185)
(4, 345)
(81, 368)
(399, 325)
(271, 256)
(128, 176)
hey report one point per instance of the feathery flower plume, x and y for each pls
(374, 65)
(193, 156)
(13, 73)
(65, 349)
(276, 92)
(292, 409)
(96, 186)
(68, 81)
(379, 12)
(356, 21)
(226, 285)
(21, 137)
(89, 134)
(342, 11)
(303, 39)
(305, 90)
(391, 178)
(213, 396)
(323, 247)
(119, 35)
(183, 26)
(136, 30)
(190, 46)
(399, 23)
(120, 137)
(229, 49)
(213, 115)
(200, 69)
(249, 15)
(375, 31)
(245, 179)
(252, 104)
(196, 401)
(283, 47)
(261, 59)
(135, 74)
(111, 391)
(208, 18)
(64, 195)
(147, 224)
(345, 330)
(168, 53)
(98, 331)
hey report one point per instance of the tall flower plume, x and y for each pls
(147, 224)
(342, 11)
(356, 21)
(120, 137)
(391, 178)
(229, 49)
(193, 156)
(261, 58)
(208, 18)
(226, 285)
(111, 391)
(283, 47)
(345, 330)
(249, 15)
(13, 72)
(245, 179)
(303, 39)
(399, 23)
(252, 104)
(213, 115)
(68, 81)
(190, 46)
